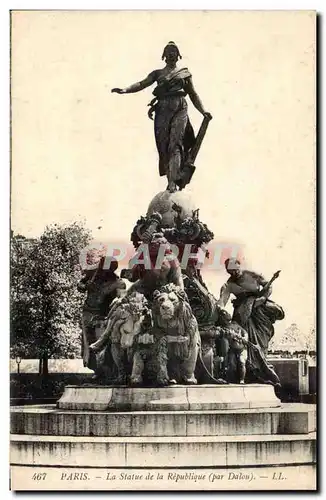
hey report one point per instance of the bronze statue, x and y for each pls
(174, 135)
(102, 286)
(127, 321)
(255, 312)
(146, 281)
(236, 355)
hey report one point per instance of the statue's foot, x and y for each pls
(136, 381)
(173, 381)
(241, 381)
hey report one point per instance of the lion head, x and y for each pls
(169, 301)
(172, 315)
(126, 318)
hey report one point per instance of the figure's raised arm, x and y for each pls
(195, 99)
(266, 287)
(136, 87)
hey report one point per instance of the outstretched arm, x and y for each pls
(136, 87)
(265, 291)
(195, 99)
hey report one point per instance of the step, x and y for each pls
(177, 398)
(189, 451)
(289, 418)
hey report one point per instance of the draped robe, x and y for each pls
(257, 321)
(173, 131)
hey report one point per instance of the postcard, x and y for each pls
(163, 194)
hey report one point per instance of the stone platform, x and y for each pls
(174, 428)
(47, 420)
(190, 451)
(177, 398)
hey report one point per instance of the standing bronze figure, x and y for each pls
(254, 311)
(174, 135)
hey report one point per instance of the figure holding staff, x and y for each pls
(175, 139)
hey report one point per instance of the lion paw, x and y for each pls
(136, 381)
(162, 381)
(121, 380)
(221, 381)
(190, 381)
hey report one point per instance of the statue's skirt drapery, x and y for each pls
(174, 134)
(258, 321)
(173, 131)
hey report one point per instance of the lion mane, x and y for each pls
(182, 310)
(182, 323)
(132, 307)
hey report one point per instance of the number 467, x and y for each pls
(39, 476)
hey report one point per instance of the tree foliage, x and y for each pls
(45, 303)
(293, 339)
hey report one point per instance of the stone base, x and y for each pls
(190, 451)
(47, 420)
(172, 398)
(180, 428)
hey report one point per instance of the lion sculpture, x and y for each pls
(127, 318)
(176, 331)
(157, 342)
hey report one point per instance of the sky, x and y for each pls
(80, 152)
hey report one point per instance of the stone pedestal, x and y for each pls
(173, 428)
(177, 398)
